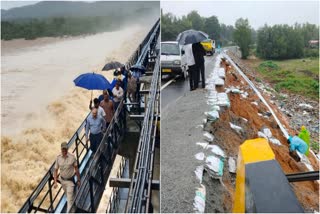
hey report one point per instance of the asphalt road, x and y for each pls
(182, 111)
(179, 88)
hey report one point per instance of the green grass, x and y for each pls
(300, 76)
(315, 147)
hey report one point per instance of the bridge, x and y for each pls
(130, 193)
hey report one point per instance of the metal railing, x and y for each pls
(96, 175)
(147, 56)
(45, 198)
(92, 168)
(114, 199)
(140, 187)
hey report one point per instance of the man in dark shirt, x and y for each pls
(199, 53)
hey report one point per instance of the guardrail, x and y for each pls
(141, 180)
(93, 169)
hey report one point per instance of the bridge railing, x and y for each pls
(114, 199)
(45, 198)
(95, 177)
(140, 188)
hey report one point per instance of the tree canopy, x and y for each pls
(284, 41)
(171, 26)
(242, 36)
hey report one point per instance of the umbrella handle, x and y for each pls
(91, 95)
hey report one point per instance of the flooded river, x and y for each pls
(40, 106)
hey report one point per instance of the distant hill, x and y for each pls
(46, 9)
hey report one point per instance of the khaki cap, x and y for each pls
(64, 145)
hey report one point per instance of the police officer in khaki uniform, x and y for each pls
(68, 167)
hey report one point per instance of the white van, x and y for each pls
(171, 59)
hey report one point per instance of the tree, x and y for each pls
(226, 34)
(280, 42)
(168, 31)
(212, 27)
(196, 20)
(308, 31)
(242, 36)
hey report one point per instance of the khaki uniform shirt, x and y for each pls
(66, 165)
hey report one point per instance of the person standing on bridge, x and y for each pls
(107, 106)
(68, 166)
(124, 72)
(191, 66)
(199, 53)
(132, 88)
(117, 92)
(96, 104)
(96, 124)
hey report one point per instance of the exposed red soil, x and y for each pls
(229, 140)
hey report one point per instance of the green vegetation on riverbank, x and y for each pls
(60, 26)
(299, 76)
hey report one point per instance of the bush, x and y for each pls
(311, 52)
(269, 66)
(314, 146)
(315, 85)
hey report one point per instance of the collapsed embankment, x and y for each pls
(258, 117)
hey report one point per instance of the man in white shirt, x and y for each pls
(96, 104)
(117, 92)
(191, 65)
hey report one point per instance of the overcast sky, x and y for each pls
(11, 4)
(257, 12)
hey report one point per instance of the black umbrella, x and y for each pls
(191, 36)
(138, 67)
(112, 65)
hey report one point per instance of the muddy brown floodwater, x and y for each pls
(40, 107)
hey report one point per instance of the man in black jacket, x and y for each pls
(199, 53)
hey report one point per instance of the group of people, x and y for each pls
(195, 60)
(97, 122)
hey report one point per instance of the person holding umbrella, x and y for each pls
(199, 53)
(92, 81)
(186, 38)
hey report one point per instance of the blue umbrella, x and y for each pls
(92, 81)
